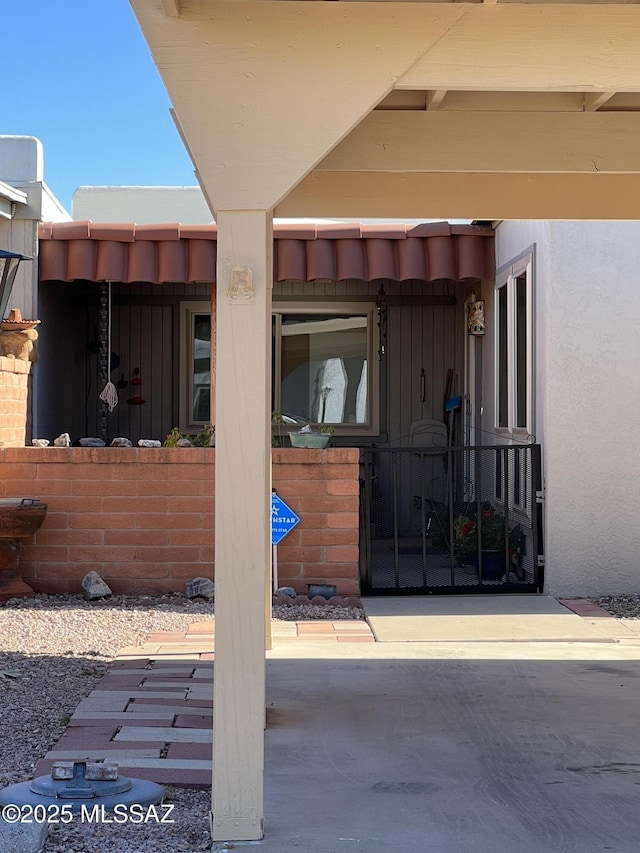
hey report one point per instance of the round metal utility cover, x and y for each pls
(140, 792)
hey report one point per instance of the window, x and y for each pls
(322, 364)
(324, 369)
(514, 349)
(195, 363)
(514, 412)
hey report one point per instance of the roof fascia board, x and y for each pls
(7, 208)
(9, 193)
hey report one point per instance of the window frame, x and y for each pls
(517, 476)
(508, 278)
(188, 311)
(369, 309)
(365, 309)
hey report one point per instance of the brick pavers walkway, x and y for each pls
(152, 711)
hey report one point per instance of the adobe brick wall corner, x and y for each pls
(323, 488)
(144, 518)
(14, 377)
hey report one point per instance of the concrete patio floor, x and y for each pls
(479, 618)
(444, 746)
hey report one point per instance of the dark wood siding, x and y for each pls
(146, 335)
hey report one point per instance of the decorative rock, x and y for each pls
(63, 440)
(22, 837)
(91, 442)
(325, 590)
(121, 442)
(149, 442)
(94, 587)
(286, 590)
(106, 771)
(40, 442)
(183, 442)
(202, 587)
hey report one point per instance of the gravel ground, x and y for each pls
(622, 606)
(53, 652)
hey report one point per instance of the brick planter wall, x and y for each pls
(143, 518)
(322, 487)
(14, 376)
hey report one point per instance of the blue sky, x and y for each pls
(79, 76)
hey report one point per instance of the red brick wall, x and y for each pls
(143, 518)
(14, 376)
(322, 487)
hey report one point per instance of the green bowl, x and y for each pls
(309, 439)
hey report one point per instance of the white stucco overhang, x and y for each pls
(366, 109)
(10, 197)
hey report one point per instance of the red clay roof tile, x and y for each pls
(173, 252)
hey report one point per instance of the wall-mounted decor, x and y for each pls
(475, 317)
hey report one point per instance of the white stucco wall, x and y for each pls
(588, 388)
(143, 205)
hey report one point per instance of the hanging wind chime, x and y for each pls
(108, 396)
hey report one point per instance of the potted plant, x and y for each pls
(491, 536)
(205, 438)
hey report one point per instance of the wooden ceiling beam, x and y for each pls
(464, 196)
(593, 102)
(171, 8)
(534, 47)
(434, 99)
(443, 141)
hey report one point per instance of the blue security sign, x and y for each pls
(283, 519)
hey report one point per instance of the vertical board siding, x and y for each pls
(143, 337)
(147, 336)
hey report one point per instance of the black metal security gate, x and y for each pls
(451, 519)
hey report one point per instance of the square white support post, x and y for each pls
(242, 520)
